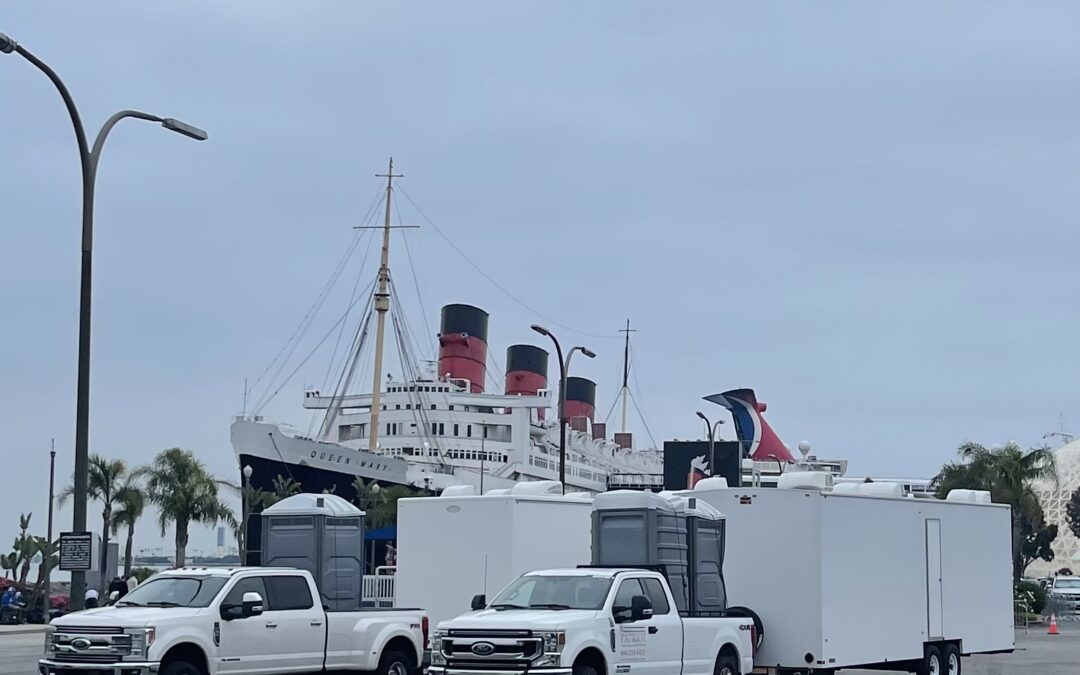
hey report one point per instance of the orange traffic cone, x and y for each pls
(1053, 626)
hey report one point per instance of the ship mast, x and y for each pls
(625, 393)
(382, 306)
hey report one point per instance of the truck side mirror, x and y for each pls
(640, 608)
(479, 602)
(252, 604)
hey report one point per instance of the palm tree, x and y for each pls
(185, 493)
(25, 549)
(1007, 473)
(283, 487)
(105, 480)
(131, 501)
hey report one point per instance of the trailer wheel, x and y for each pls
(951, 657)
(932, 663)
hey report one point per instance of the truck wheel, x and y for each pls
(393, 663)
(950, 655)
(726, 665)
(584, 669)
(932, 663)
(180, 668)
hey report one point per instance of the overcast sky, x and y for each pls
(864, 211)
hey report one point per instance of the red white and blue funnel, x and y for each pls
(754, 433)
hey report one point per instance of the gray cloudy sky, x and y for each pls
(865, 211)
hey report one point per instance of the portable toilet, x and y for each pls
(706, 536)
(323, 534)
(642, 529)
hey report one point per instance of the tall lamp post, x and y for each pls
(88, 160)
(710, 429)
(47, 553)
(245, 505)
(564, 366)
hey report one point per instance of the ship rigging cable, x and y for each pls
(309, 317)
(492, 281)
(300, 365)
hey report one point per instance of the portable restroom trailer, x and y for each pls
(453, 547)
(681, 537)
(323, 534)
(863, 577)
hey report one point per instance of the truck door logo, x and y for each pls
(482, 648)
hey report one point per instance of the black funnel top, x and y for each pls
(464, 319)
(580, 389)
(526, 358)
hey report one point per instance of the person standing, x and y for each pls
(91, 598)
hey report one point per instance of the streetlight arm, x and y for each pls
(99, 142)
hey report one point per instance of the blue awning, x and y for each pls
(388, 533)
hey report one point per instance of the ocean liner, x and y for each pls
(439, 426)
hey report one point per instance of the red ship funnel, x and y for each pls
(580, 398)
(757, 437)
(526, 371)
(463, 336)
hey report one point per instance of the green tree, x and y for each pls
(379, 503)
(1007, 473)
(105, 480)
(184, 493)
(1072, 513)
(131, 501)
(283, 487)
(25, 549)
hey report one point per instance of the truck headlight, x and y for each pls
(141, 640)
(554, 641)
(437, 638)
(49, 642)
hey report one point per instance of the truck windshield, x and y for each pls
(554, 592)
(174, 592)
(1067, 583)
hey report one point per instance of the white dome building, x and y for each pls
(1054, 498)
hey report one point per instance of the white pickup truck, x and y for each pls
(590, 621)
(250, 621)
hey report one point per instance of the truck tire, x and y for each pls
(950, 656)
(932, 662)
(395, 663)
(726, 664)
(585, 669)
(180, 668)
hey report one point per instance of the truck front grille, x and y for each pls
(501, 649)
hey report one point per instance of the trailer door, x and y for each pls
(933, 580)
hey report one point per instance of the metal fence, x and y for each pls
(378, 588)
(1063, 609)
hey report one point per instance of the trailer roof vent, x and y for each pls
(459, 491)
(973, 496)
(805, 480)
(711, 483)
(538, 487)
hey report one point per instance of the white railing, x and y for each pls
(378, 589)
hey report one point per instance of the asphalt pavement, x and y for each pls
(1036, 654)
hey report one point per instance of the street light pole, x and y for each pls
(245, 505)
(564, 366)
(88, 160)
(47, 553)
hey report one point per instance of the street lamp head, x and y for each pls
(7, 45)
(184, 128)
(587, 352)
(540, 329)
(248, 471)
(702, 416)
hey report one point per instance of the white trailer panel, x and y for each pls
(841, 580)
(452, 548)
